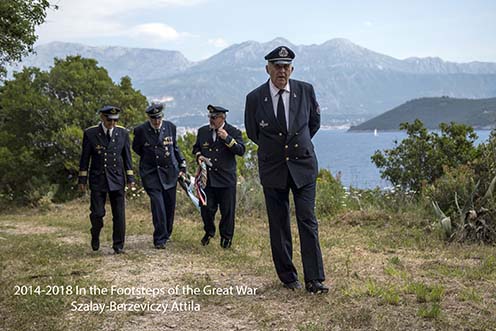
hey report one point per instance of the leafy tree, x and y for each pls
(422, 157)
(42, 118)
(18, 20)
(485, 164)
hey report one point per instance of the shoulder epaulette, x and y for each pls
(123, 128)
(91, 127)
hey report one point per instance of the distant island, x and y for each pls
(479, 113)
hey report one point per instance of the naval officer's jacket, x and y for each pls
(221, 154)
(107, 164)
(160, 157)
(281, 153)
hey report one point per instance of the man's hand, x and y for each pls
(82, 188)
(222, 134)
(131, 185)
(201, 159)
(181, 174)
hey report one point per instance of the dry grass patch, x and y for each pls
(383, 275)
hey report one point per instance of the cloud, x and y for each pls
(104, 18)
(155, 30)
(218, 42)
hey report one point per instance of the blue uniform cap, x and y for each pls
(112, 112)
(216, 109)
(155, 110)
(280, 55)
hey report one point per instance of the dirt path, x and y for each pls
(166, 269)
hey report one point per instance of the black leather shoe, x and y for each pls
(296, 285)
(206, 239)
(225, 243)
(95, 243)
(160, 246)
(118, 250)
(315, 286)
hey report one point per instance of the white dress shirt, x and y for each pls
(274, 93)
(105, 130)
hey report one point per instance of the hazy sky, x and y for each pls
(454, 30)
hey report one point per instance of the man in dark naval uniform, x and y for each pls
(219, 142)
(281, 117)
(161, 163)
(107, 146)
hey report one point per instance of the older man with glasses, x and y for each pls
(161, 163)
(106, 160)
(281, 117)
(219, 143)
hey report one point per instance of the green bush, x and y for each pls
(455, 186)
(464, 200)
(250, 199)
(330, 197)
(421, 158)
(485, 164)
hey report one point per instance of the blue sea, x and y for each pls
(349, 153)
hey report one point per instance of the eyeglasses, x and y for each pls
(111, 119)
(214, 116)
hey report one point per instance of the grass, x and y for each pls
(429, 311)
(386, 270)
(470, 294)
(425, 293)
(387, 295)
(34, 264)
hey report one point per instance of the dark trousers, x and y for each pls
(277, 203)
(163, 204)
(97, 208)
(223, 198)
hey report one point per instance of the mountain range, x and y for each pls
(352, 83)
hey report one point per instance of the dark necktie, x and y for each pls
(281, 115)
(108, 135)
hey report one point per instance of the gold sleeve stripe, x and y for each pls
(83, 173)
(232, 143)
(130, 172)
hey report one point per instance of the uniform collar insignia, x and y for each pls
(263, 124)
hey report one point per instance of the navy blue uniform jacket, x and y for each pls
(279, 152)
(110, 162)
(160, 157)
(221, 153)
